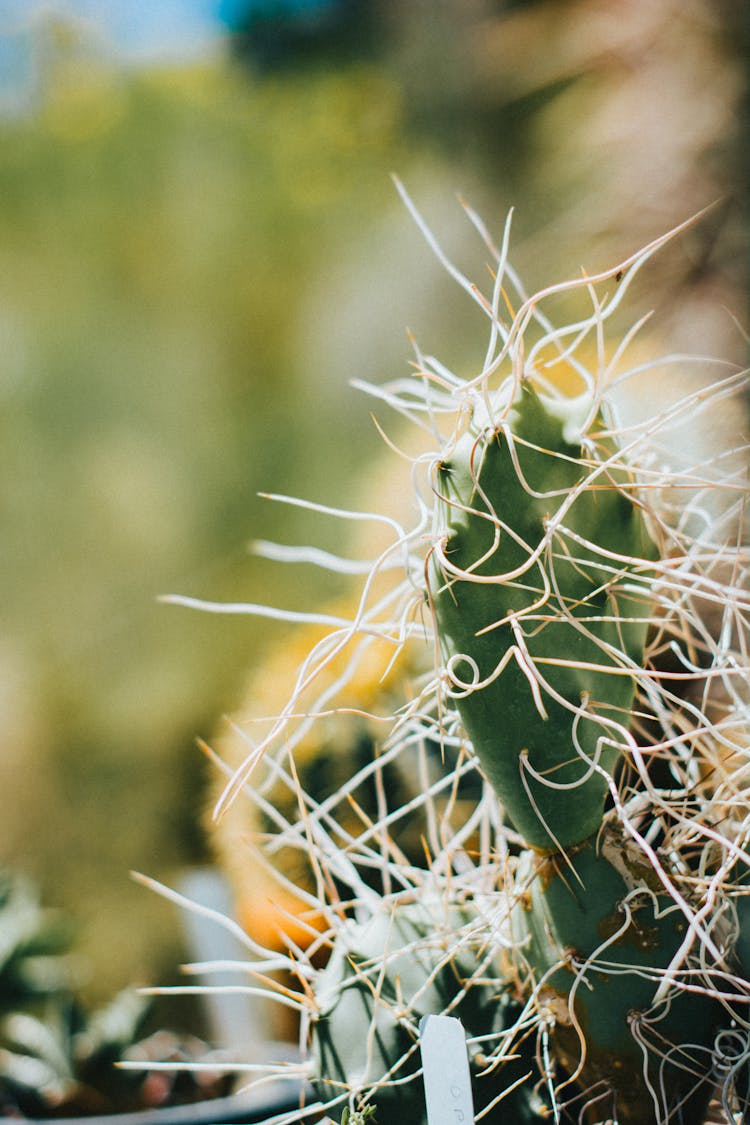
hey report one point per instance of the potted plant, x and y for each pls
(59, 1058)
(545, 831)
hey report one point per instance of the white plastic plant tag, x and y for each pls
(447, 1081)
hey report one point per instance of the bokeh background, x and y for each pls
(200, 245)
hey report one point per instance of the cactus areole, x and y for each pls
(539, 585)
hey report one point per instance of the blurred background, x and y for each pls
(200, 245)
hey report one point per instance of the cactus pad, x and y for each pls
(539, 602)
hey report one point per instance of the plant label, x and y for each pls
(447, 1081)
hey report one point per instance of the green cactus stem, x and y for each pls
(596, 934)
(383, 976)
(736, 1041)
(542, 625)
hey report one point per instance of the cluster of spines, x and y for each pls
(608, 720)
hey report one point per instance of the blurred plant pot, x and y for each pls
(236, 1109)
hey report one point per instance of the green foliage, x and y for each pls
(359, 1116)
(33, 944)
(62, 1055)
(52, 1051)
(57, 1055)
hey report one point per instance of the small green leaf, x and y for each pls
(359, 1116)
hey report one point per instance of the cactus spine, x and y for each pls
(541, 589)
(383, 976)
(595, 932)
(587, 918)
(541, 623)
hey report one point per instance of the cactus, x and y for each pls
(383, 975)
(553, 626)
(546, 560)
(580, 586)
(594, 934)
